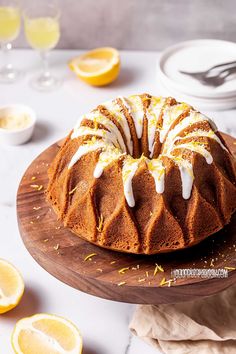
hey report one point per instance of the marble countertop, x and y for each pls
(103, 324)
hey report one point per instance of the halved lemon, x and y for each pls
(11, 286)
(98, 67)
(45, 333)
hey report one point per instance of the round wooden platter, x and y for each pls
(63, 254)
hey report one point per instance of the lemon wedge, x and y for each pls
(98, 67)
(45, 333)
(11, 286)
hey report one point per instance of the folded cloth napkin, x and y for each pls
(204, 326)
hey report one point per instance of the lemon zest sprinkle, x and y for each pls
(121, 283)
(73, 190)
(157, 269)
(163, 281)
(100, 223)
(123, 270)
(89, 256)
(166, 282)
(230, 268)
(141, 280)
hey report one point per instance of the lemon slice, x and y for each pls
(11, 286)
(98, 67)
(45, 333)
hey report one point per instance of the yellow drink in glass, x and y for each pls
(42, 33)
(9, 23)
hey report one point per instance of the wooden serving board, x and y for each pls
(63, 254)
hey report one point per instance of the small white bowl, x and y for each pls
(17, 136)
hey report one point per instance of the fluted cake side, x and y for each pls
(143, 174)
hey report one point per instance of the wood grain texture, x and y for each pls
(63, 254)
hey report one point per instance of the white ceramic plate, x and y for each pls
(207, 104)
(197, 55)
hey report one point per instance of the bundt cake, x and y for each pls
(143, 174)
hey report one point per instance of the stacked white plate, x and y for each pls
(197, 56)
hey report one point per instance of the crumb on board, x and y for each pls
(56, 247)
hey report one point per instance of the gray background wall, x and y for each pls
(142, 24)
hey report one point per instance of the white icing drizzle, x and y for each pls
(106, 135)
(193, 117)
(112, 146)
(152, 114)
(200, 133)
(78, 123)
(97, 117)
(85, 149)
(196, 147)
(170, 114)
(134, 105)
(105, 158)
(115, 109)
(186, 173)
(124, 101)
(157, 171)
(129, 168)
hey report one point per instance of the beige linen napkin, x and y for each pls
(204, 326)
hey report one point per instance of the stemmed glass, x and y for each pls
(42, 31)
(10, 21)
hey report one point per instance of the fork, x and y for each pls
(219, 79)
(215, 80)
(202, 74)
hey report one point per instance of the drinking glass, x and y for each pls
(10, 20)
(42, 31)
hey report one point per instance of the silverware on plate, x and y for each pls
(213, 76)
